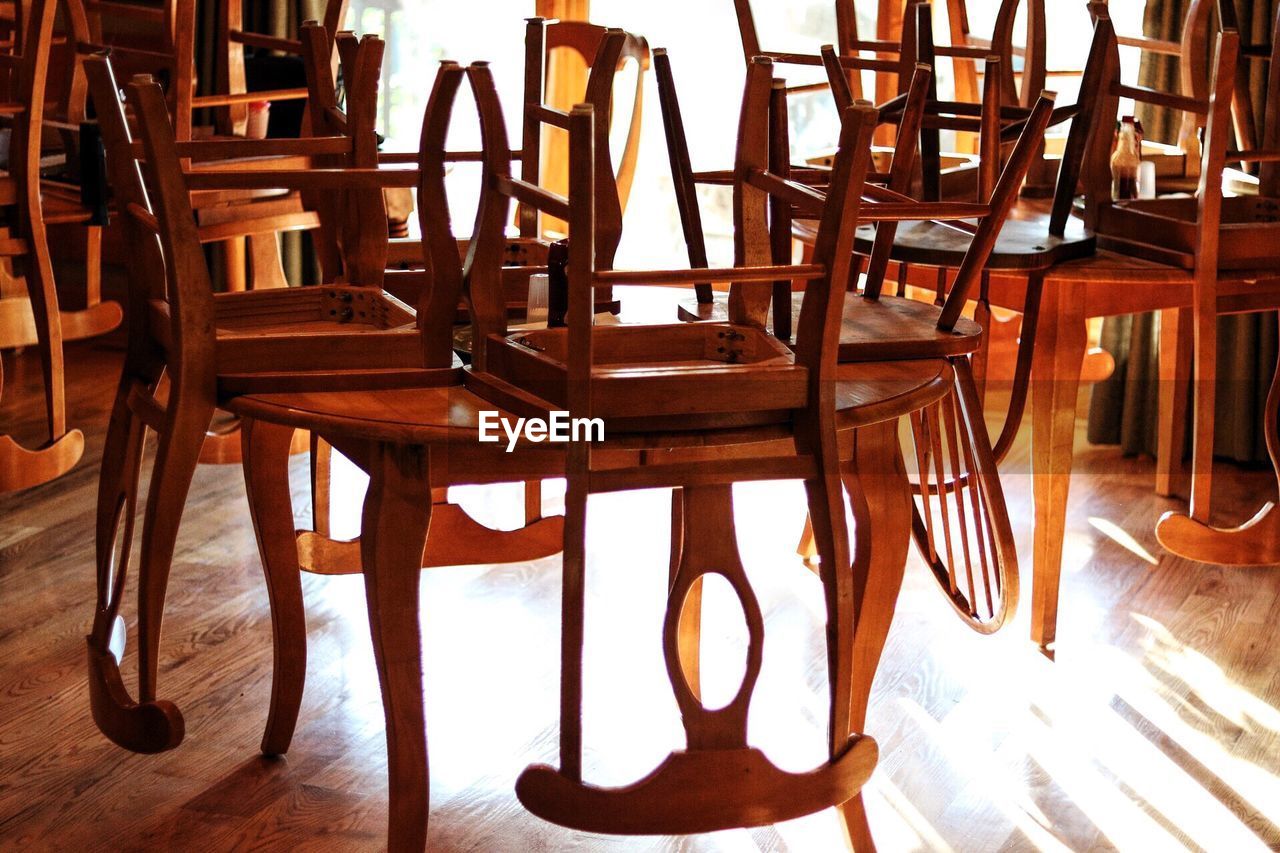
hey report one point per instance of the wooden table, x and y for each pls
(408, 440)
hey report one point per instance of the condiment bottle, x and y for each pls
(1125, 162)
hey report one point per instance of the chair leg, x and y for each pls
(1174, 391)
(532, 502)
(149, 726)
(830, 533)
(397, 512)
(44, 309)
(1205, 371)
(321, 478)
(177, 454)
(880, 497)
(266, 477)
(572, 605)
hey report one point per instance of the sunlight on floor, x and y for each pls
(1121, 537)
(1129, 742)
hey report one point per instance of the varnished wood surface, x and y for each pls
(1156, 727)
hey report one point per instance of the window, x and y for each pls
(706, 56)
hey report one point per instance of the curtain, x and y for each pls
(1123, 409)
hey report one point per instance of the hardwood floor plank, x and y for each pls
(1158, 723)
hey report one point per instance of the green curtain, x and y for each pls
(1123, 409)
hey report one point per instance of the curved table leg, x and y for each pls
(1055, 385)
(880, 496)
(265, 450)
(397, 512)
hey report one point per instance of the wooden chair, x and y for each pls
(888, 327)
(606, 51)
(159, 39)
(1228, 245)
(68, 212)
(31, 314)
(210, 347)
(945, 174)
(357, 253)
(648, 382)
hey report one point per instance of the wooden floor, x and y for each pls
(1156, 727)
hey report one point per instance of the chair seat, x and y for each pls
(690, 376)
(311, 338)
(866, 393)
(1164, 230)
(1024, 242)
(890, 328)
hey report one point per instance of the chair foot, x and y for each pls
(675, 798)
(144, 727)
(21, 468)
(1254, 543)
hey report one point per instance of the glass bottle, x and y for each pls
(1125, 162)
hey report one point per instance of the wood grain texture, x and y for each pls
(1156, 722)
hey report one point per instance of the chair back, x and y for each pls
(605, 51)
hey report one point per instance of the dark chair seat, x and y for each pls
(1024, 243)
(891, 328)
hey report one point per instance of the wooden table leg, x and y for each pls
(880, 496)
(266, 479)
(397, 511)
(1055, 384)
